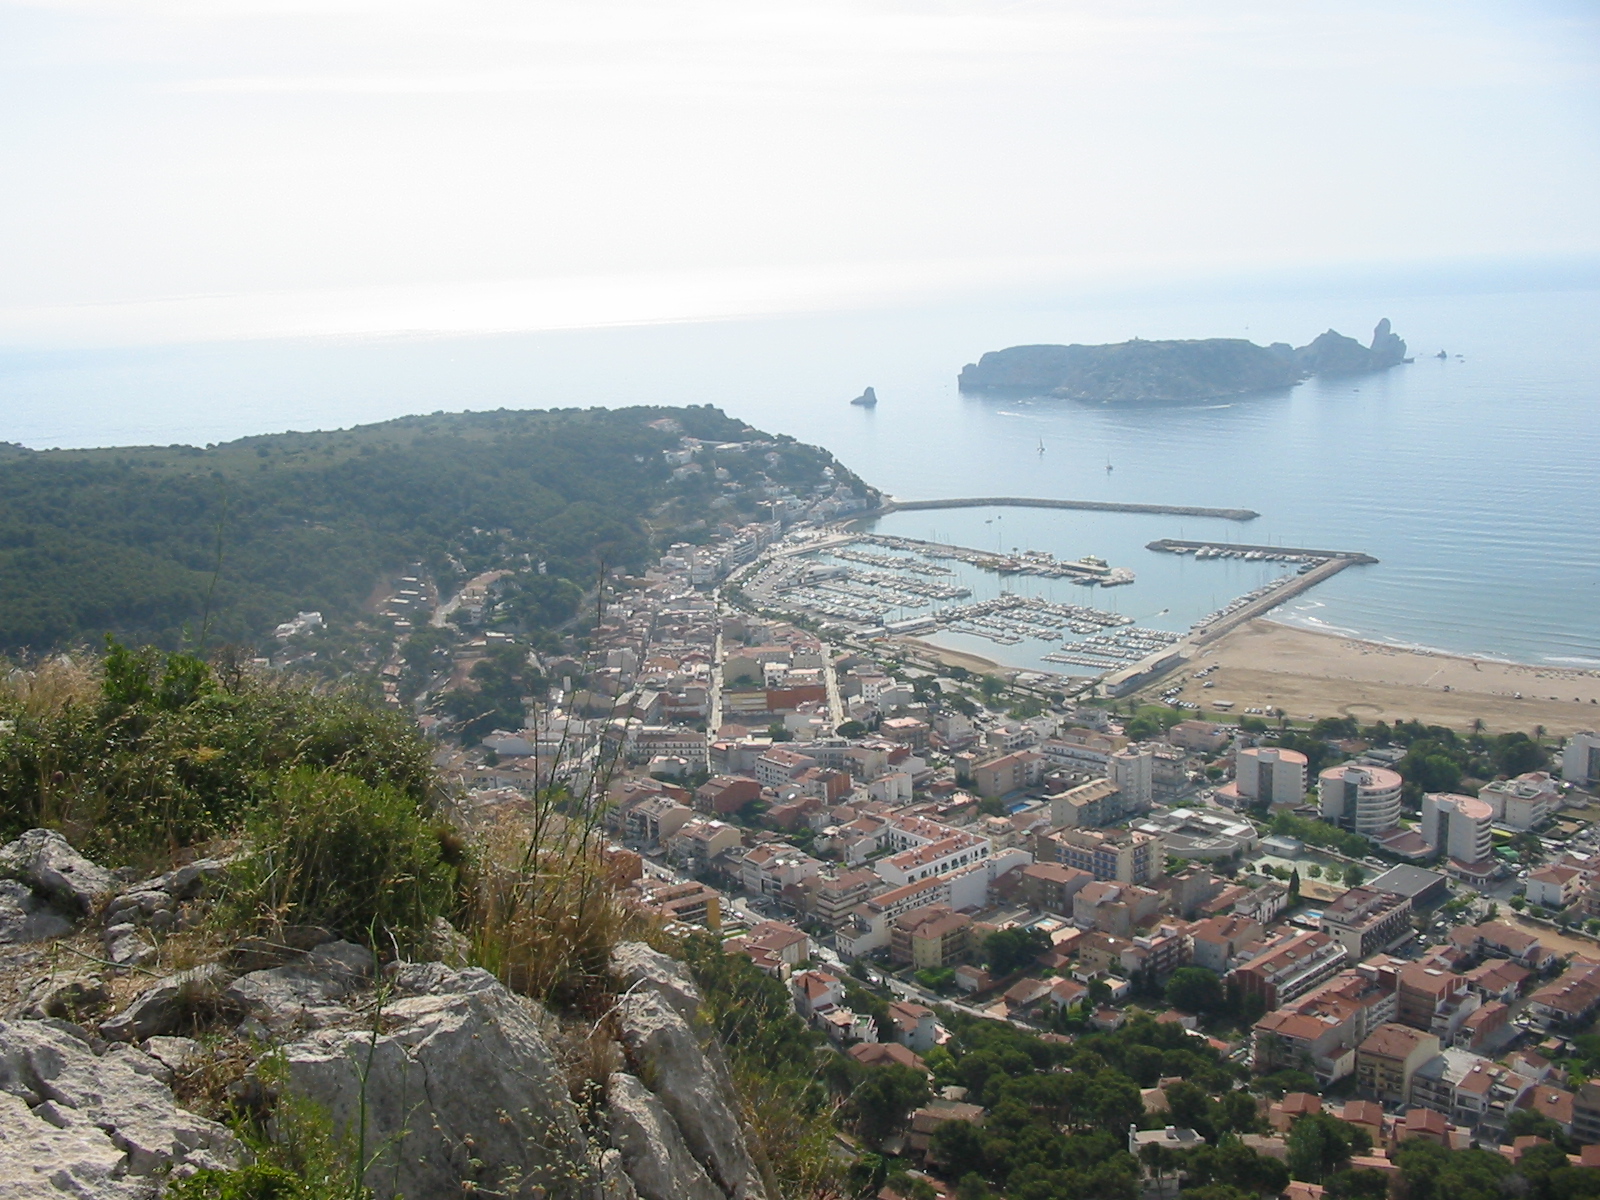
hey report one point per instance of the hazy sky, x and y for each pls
(200, 168)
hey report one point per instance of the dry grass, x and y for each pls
(544, 913)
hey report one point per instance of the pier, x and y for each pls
(1328, 564)
(1176, 510)
(1242, 549)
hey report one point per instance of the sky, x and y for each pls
(178, 170)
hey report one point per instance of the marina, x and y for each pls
(884, 585)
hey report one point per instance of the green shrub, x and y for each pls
(147, 752)
(254, 1182)
(332, 850)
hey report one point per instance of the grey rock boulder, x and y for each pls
(163, 1007)
(174, 1053)
(126, 947)
(43, 1161)
(117, 1099)
(652, 1149)
(692, 1085)
(462, 1091)
(137, 907)
(27, 917)
(305, 993)
(614, 1181)
(47, 863)
(641, 969)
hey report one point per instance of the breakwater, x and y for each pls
(1177, 510)
(1239, 549)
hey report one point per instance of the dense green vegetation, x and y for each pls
(159, 752)
(775, 1067)
(160, 544)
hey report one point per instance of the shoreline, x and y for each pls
(1430, 651)
(1316, 673)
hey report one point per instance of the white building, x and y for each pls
(1132, 770)
(1363, 799)
(1271, 773)
(1459, 827)
(1580, 761)
(1525, 802)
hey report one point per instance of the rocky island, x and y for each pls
(1203, 369)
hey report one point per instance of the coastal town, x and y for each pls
(904, 843)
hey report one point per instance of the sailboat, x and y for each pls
(1108, 466)
(1041, 447)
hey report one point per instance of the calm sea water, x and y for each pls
(1474, 479)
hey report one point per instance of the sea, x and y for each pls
(1474, 478)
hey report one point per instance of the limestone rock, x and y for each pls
(44, 1161)
(162, 1008)
(462, 1091)
(126, 948)
(447, 944)
(119, 1120)
(47, 863)
(653, 1152)
(26, 917)
(642, 969)
(614, 1181)
(693, 1087)
(174, 1053)
(304, 993)
(136, 908)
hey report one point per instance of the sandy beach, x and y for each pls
(1262, 664)
(955, 658)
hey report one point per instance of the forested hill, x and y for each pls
(127, 540)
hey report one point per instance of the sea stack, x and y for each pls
(867, 399)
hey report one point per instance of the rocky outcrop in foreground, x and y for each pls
(456, 1083)
(1208, 369)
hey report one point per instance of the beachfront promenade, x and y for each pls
(1178, 510)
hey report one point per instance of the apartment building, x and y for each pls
(1131, 769)
(1159, 952)
(933, 858)
(1321, 1032)
(1496, 939)
(831, 898)
(1114, 908)
(1367, 921)
(1389, 1058)
(1112, 855)
(1580, 759)
(1460, 828)
(1271, 774)
(698, 841)
(725, 794)
(1290, 966)
(1469, 1089)
(1365, 800)
(779, 766)
(1218, 941)
(1008, 773)
(930, 938)
(1526, 802)
(1569, 1001)
(1050, 887)
(1435, 998)
(1556, 887)
(1087, 806)
(767, 870)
